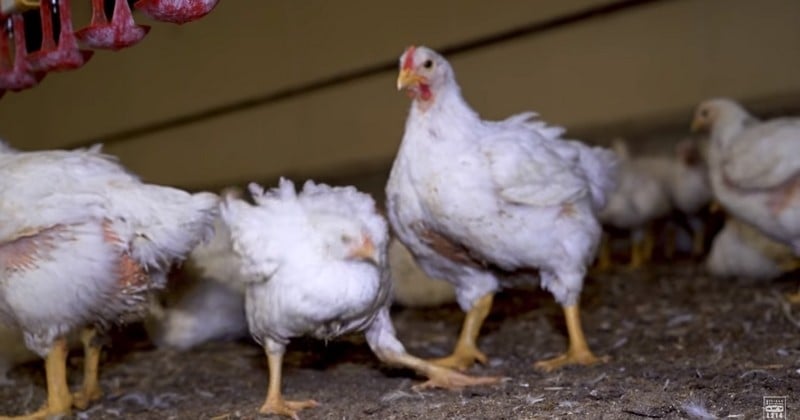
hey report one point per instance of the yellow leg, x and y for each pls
(90, 391)
(59, 400)
(699, 242)
(637, 255)
(438, 376)
(648, 244)
(578, 352)
(794, 298)
(466, 352)
(275, 404)
(604, 261)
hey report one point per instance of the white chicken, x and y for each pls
(82, 242)
(639, 199)
(740, 250)
(684, 177)
(754, 168)
(690, 189)
(204, 300)
(316, 265)
(475, 200)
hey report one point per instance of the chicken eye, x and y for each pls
(427, 64)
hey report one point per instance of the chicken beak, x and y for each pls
(698, 125)
(366, 251)
(407, 78)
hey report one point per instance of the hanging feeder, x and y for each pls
(120, 32)
(17, 76)
(67, 55)
(176, 11)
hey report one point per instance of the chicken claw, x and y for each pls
(578, 353)
(585, 358)
(59, 400)
(275, 404)
(90, 391)
(440, 377)
(466, 352)
(286, 408)
(463, 357)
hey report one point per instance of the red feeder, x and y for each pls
(121, 32)
(19, 76)
(67, 56)
(176, 11)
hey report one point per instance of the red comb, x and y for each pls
(408, 62)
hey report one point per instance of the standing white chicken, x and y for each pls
(754, 167)
(684, 176)
(316, 265)
(638, 200)
(82, 242)
(474, 200)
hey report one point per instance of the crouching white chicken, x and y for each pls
(82, 242)
(754, 168)
(476, 200)
(316, 265)
(740, 250)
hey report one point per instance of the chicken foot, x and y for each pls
(578, 352)
(466, 351)
(794, 298)
(275, 404)
(90, 391)
(59, 399)
(438, 376)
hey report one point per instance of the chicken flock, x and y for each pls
(480, 205)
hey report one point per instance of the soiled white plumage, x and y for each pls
(87, 238)
(315, 264)
(741, 250)
(755, 168)
(512, 192)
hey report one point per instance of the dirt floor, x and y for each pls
(678, 341)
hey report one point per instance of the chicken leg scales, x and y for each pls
(578, 352)
(59, 399)
(604, 260)
(275, 404)
(90, 391)
(438, 376)
(466, 351)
